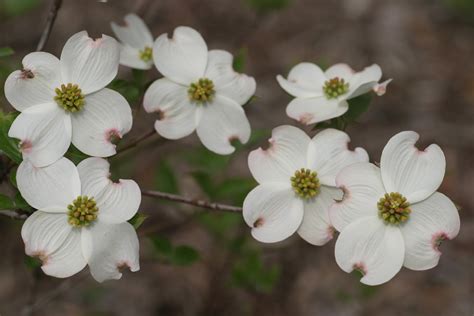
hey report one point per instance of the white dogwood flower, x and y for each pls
(200, 91)
(322, 95)
(296, 177)
(65, 100)
(136, 49)
(392, 216)
(81, 218)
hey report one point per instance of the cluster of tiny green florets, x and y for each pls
(82, 211)
(335, 87)
(146, 54)
(201, 91)
(305, 183)
(394, 208)
(69, 97)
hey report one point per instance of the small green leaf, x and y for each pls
(265, 6)
(6, 51)
(6, 203)
(357, 107)
(12, 177)
(21, 204)
(18, 7)
(162, 246)
(32, 262)
(137, 220)
(184, 255)
(165, 179)
(130, 91)
(239, 60)
(75, 155)
(251, 273)
(8, 145)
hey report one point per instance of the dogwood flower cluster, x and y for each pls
(388, 216)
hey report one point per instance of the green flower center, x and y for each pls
(394, 208)
(201, 91)
(335, 87)
(70, 97)
(82, 211)
(146, 54)
(305, 183)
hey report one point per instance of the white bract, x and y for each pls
(296, 177)
(81, 218)
(137, 42)
(392, 216)
(66, 100)
(200, 91)
(322, 95)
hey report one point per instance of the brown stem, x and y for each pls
(135, 142)
(53, 12)
(195, 202)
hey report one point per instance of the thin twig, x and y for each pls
(14, 214)
(136, 141)
(195, 202)
(53, 12)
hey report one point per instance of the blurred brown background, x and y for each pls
(426, 46)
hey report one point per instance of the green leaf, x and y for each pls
(137, 220)
(9, 146)
(239, 60)
(130, 91)
(21, 204)
(165, 178)
(18, 7)
(251, 273)
(75, 155)
(205, 182)
(6, 203)
(235, 189)
(162, 246)
(12, 177)
(265, 6)
(357, 107)
(6, 51)
(220, 224)
(205, 160)
(32, 262)
(184, 255)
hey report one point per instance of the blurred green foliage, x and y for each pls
(461, 8)
(181, 255)
(357, 107)
(240, 60)
(10, 8)
(137, 220)
(8, 146)
(165, 178)
(265, 6)
(6, 51)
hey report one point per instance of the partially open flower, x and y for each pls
(296, 177)
(81, 219)
(200, 91)
(136, 48)
(321, 96)
(66, 100)
(392, 216)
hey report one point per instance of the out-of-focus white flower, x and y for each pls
(64, 100)
(136, 49)
(296, 177)
(392, 216)
(81, 219)
(322, 95)
(200, 91)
